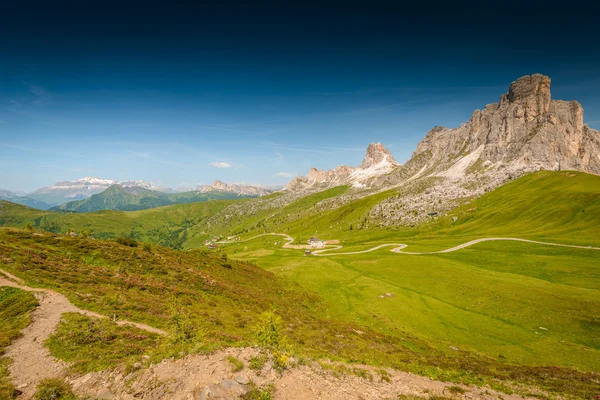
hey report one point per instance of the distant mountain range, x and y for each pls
(238, 188)
(130, 198)
(80, 189)
(58, 195)
(26, 201)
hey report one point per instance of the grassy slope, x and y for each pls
(491, 298)
(222, 299)
(546, 205)
(163, 225)
(216, 302)
(229, 223)
(15, 307)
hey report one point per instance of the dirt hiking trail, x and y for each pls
(193, 377)
(32, 361)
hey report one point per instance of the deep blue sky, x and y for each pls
(160, 92)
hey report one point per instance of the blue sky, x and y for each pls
(180, 97)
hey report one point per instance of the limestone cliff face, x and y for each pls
(526, 130)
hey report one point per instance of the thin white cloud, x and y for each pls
(220, 164)
(139, 153)
(42, 96)
(286, 174)
(17, 147)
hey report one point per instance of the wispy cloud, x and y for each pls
(286, 174)
(139, 153)
(17, 147)
(149, 156)
(220, 164)
(303, 149)
(42, 96)
(233, 128)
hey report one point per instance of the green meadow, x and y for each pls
(519, 302)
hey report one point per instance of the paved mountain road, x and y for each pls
(399, 247)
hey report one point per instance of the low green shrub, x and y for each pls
(125, 241)
(236, 363)
(54, 389)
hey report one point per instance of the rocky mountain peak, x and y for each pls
(536, 85)
(376, 153)
(220, 185)
(378, 161)
(526, 131)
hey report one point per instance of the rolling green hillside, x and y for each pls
(241, 217)
(121, 198)
(526, 303)
(556, 205)
(164, 225)
(545, 205)
(206, 300)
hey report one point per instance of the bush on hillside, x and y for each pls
(125, 241)
(54, 389)
(268, 331)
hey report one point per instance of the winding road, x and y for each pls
(31, 360)
(399, 247)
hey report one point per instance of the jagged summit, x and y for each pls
(376, 154)
(536, 85)
(378, 161)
